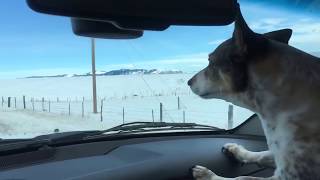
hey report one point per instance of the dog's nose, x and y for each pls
(190, 82)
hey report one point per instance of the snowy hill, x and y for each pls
(114, 73)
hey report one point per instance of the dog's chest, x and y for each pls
(294, 159)
(279, 137)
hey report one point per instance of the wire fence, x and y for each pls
(169, 108)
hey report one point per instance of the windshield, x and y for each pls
(46, 72)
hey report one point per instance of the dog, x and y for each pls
(278, 82)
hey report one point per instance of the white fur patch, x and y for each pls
(263, 158)
(203, 173)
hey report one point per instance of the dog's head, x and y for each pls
(227, 72)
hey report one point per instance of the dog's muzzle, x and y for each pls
(190, 82)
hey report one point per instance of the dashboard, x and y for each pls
(157, 157)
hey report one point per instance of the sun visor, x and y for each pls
(143, 14)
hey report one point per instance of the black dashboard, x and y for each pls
(156, 157)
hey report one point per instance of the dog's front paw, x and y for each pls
(202, 173)
(236, 151)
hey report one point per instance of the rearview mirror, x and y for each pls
(143, 14)
(100, 29)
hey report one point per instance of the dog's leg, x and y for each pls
(203, 173)
(263, 158)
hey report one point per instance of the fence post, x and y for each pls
(49, 106)
(69, 108)
(230, 117)
(123, 115)
(24, 102)
(161, 112)
(101, 110)
(9, 102)
(152, 116)
(15, 102)
(82, 109)
(32, 100)
(178, 103)
(42, 103)
(184, 116)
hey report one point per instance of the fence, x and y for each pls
(128, 109)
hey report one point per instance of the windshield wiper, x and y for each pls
(158, 126)
(59, 139)
(43, 141)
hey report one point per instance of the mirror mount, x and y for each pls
(103, 30)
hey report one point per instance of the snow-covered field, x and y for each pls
(135, 95)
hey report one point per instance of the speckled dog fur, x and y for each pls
(280, 83)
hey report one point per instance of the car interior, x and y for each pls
(133, 156)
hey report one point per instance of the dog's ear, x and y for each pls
(242, 34)
(282, 35)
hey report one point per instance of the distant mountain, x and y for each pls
(115, 72)
(126, 72)
(55, 76)
(139, 71)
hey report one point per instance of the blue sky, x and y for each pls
(38, 44)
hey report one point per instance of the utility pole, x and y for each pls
(94, 83)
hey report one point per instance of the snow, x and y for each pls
(27, 124)
(69, 75)
(137, 95)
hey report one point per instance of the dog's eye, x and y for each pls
(227, 69)
(211, 64)
(235, 58)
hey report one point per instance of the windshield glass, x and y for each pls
(46, 72)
